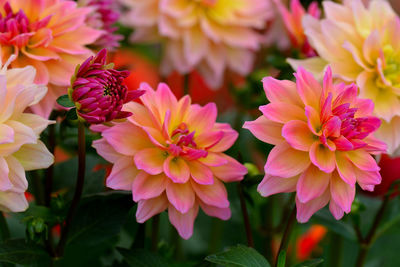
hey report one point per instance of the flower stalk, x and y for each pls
(78, 189)
(285, 239)
(249, 235)
(366, 243)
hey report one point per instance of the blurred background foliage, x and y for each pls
(105, 232)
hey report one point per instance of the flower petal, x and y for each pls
(176, 169)
(214, 194)
(220, 213)
(151, 160)
(181, 196)
(322, 157)
(345, 168)
(266, 130)
(232, 171)
(183, 222)
(312, 184)
(200, 173)
(34, 156)
(306, 210)
(298, 135)
(271, 185)
(122, 174)
(150, 207)
(342, 193)
(284, 161)
(362, 160)
(282, 112)
(146, 186)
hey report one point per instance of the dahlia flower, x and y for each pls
(104, 16)
(99, 92)
(292, 19)
(209, 35)
(362, 45)
(48, 35)
(170, 155)
(323, 143)
(20, 147)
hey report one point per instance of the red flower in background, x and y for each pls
(308, 242)
(140, 67)
(143, 70)
(390, 172)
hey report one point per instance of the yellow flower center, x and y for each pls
(390, 66)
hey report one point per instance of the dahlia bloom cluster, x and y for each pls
(99, 92)
(103, 18)
(48, 35)
(170, 155)
(292, 19)
(361, 44)
(20, 147)
(209, 35)
(323, 143)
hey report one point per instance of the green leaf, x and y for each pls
(95, 228)
(239, 256)
(142, 258)
(71, 114)
(65, 101)
(340, 227)
(310, 263)
(282, 259)
(17, 251)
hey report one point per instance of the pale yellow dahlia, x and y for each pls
(209, 35)
(362, 44)
(20, 147)
(50, 35)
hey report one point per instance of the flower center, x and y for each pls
(182, 144)
(16, 29)
(390, 67)
(341, 127)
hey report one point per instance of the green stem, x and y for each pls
(286, 238)
(5, 232)
(78, 189)
(367, 242)
(186, 84)
(140, 236)
(249, 235)
(50, 171)
(37, 186)
(155, 232)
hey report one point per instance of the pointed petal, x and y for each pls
(181, 196)
(342, 193)
(176, 169)
(214, 194)
(266, 130)
(271, 185)
(147, 186)
(322, 157)
(298, 135)
(312, 184)
(150, 207)
(183, 222)
(151, 160)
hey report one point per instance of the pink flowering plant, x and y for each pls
(199, 133)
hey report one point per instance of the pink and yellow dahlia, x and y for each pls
(323, 143)
(170, 155)
(20, 147)
(361, 44)
(48, 35)
(209, 35)
(292, 20)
